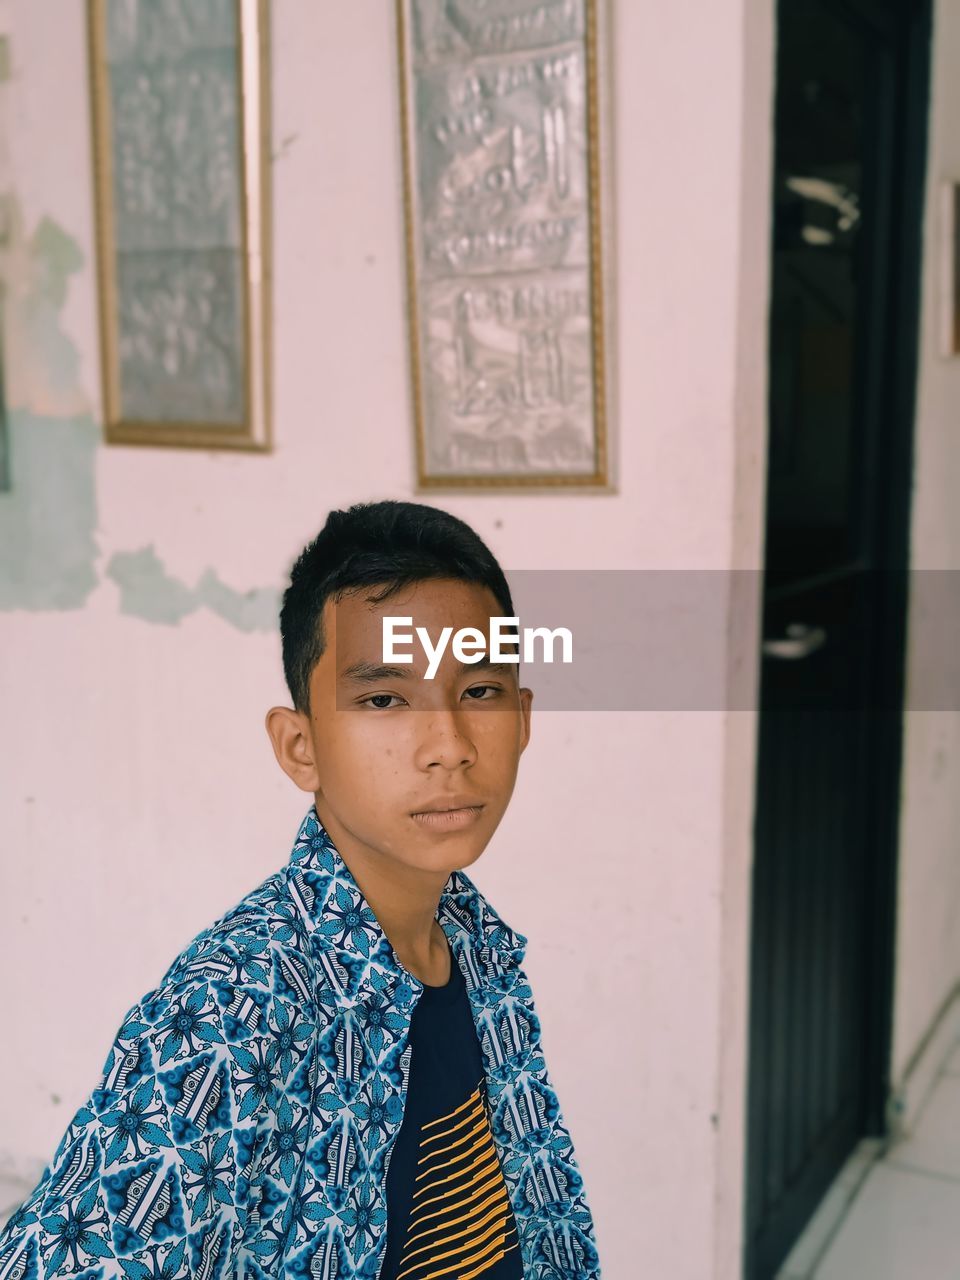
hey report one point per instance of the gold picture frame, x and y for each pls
(184, 255)
(505, 128)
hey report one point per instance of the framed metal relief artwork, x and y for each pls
(503, 120)
(181, 148)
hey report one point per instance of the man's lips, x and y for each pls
(449, 812)
(448, 804)
(448, 819)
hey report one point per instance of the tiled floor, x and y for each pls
(905, 1221)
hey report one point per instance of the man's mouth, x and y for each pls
(448, 818)
(450, 804)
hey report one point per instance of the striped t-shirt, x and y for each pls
(449, 1216)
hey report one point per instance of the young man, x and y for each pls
(343, 1077)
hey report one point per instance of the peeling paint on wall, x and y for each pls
(147, 591)
(48, 514)
(48, 518)
(43, 363)
(4, 430)
(255, 610)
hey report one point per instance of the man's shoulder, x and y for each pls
(248, 948)
(239, 985)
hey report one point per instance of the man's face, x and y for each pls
(389, 743)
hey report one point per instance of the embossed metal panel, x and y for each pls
(179, 126)
(501, 120)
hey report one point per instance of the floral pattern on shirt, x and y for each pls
(244, 1120)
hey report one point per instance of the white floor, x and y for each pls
(904, 1222)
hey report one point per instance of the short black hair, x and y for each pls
(391, 543)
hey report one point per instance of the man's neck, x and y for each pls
(404, 901)
(434, 967)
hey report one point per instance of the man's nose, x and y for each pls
(444, 740)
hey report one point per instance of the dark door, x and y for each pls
(850, 119)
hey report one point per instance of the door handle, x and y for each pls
(801, 640)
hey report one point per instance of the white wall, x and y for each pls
(928, 928)
(139, 794)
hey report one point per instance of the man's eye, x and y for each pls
(495, 689)
(365, 701)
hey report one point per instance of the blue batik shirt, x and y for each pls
(248, 1107)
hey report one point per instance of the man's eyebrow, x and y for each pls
(498, 668)
(372, 672)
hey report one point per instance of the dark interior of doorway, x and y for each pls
(836, 554)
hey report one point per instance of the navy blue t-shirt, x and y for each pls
(448, 1211)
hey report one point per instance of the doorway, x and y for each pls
(852, 81)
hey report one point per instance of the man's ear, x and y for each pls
(288, 731)
(526, 706)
